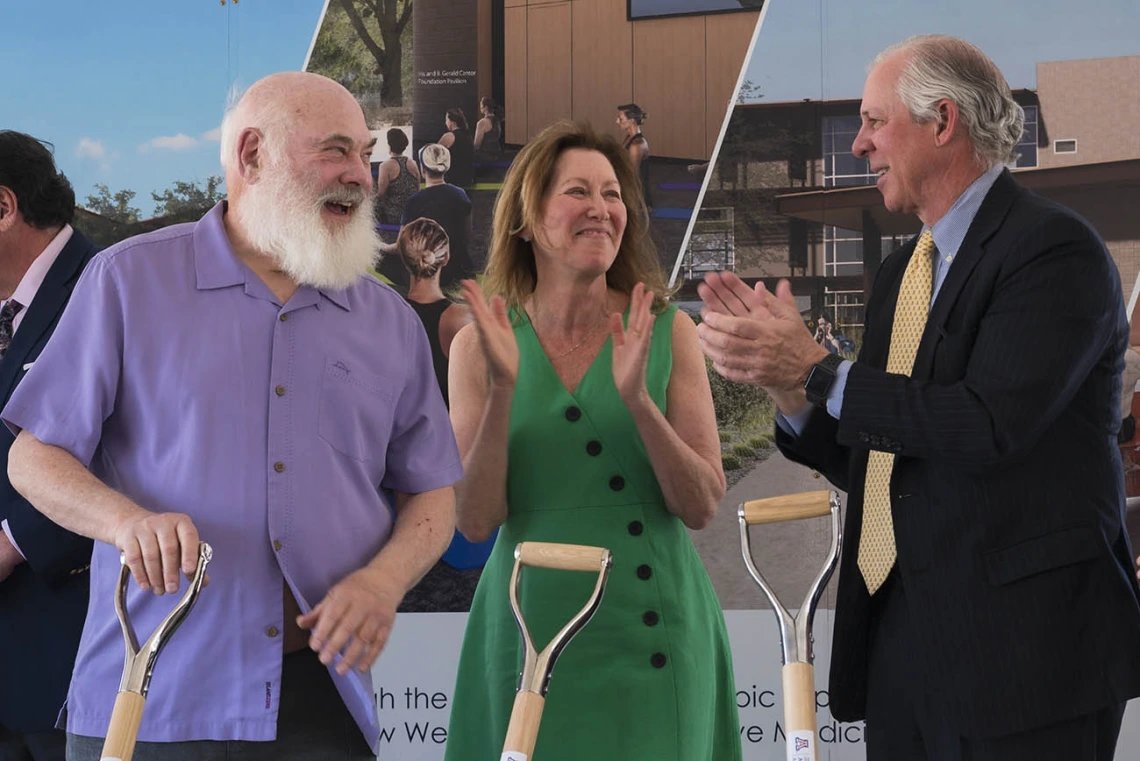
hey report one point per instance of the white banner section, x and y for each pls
(415, 676)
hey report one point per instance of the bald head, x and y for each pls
(279, 107)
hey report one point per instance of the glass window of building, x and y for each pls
(840, 167)
(1026, 149)
(846, 311)
(654, 8)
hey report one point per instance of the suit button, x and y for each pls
(650, 618)
(658, 660)
(272, 631)
(864, 436)
(594, 448)
(280, 391)
(573, 413)
(617, 483)
(644, 572)
(279, 467)
(284, 318)
(277, 544)
(635, 528)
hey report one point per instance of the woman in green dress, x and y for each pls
(582, 409)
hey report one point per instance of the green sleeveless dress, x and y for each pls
(650, 677)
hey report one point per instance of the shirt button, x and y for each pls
(644, 572)
(573, 413)
(277, 544)
(280, 391)
(635, 528)
(279, 467)
(594, 448)
(658, 660)
(284, 318)
(617, 483)
(650, 618)
(272, 631)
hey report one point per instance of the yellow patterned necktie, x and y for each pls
(877, 541)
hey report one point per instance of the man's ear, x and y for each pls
(251, 153)
(949, 122)
(9, 208)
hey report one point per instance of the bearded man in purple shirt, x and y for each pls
(242, 380)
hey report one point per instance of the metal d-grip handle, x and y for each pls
(522, 731)
(139, 663)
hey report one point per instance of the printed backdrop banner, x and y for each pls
(415, 676)
(446, 54)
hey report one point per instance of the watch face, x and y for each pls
(818, 383)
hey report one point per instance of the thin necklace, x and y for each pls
(577, 346)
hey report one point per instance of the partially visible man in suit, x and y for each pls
(986, 607)
(43, 584)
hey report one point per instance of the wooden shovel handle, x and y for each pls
(811, 504)
(523, 728)
(799, 710)
(565, 557)
(124, 728)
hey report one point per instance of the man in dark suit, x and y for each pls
(986, 607)
(43, 579)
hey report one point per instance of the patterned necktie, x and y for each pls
(8, 314)
(877, 542)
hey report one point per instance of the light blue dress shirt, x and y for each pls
(948, 234)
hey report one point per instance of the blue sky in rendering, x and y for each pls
(799, 57)
(131, 93)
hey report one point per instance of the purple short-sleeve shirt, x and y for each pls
(181, 381)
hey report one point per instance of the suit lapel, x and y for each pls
(990, 214)
(877, 341)
(44, 309)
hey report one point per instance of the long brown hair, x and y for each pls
(511, 271)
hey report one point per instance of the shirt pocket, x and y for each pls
(355, 416)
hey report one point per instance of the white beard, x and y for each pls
(283, 220)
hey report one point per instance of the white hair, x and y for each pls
(272, 117)
(941, 67)
(281, 217)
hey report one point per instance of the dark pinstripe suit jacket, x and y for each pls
(1007, 494)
